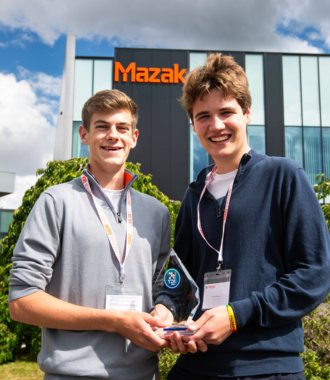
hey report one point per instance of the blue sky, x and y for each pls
(32, 48)
(21, 49)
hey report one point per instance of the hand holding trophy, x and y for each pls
(175, 288)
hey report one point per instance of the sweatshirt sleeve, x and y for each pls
(35, 250)
(306, 252)
(184, 232)
(164, 243)
(172, 299)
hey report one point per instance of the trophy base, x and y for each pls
(180, 328)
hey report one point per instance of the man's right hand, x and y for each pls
(140, 328)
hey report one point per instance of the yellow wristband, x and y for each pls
(232, 319)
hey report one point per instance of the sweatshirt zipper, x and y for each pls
(118, 214)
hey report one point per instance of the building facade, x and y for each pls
(290, 108)
(7, 186)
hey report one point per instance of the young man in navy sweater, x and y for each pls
(252, 235)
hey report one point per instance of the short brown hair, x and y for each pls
(219, 72)
(108, 101)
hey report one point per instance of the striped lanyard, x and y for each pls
(209, 178)
(110, 233)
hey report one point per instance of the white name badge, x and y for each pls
(216, 289)
(123, 302)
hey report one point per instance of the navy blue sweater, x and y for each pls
(278, 247)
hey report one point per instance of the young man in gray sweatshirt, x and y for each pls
(83, 265)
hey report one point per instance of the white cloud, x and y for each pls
(47, 88)
(212, 24)
(26, 128)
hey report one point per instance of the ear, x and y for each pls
(135, 135)
(83, 133)
(248, 115)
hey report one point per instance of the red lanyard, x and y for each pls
(208, 179)
(109, 231)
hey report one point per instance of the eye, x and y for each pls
(123, 127)
(101, 127)
(227, 112)
(202, 117)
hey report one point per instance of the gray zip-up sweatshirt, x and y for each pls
(64, 250)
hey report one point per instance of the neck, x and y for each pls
(110, 180)
(226, 166)
(224, 169)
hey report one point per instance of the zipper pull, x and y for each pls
(119, 217)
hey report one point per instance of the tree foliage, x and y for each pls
(322, 189)
(317, 324)
(317, 343)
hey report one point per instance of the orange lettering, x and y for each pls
(154, 72)
(130, 68)
(142, 74)
(148, 75)
(167, 75)
(178, 75)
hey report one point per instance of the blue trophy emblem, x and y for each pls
(172, 278)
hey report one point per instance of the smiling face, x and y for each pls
(110, 138)
(220, 125)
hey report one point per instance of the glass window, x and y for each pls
(291, 90)
(6, 217)
(312, 152)
(196, 59)
(324, 64)
(310, 91)
(82, 85)
(102, 75)
(199, 158)
(78, 149)
(293, 144)
(255, 72)
(326, 151)
(256, 138)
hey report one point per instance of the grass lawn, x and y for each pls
(20, 370)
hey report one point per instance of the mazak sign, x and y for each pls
(133, 73)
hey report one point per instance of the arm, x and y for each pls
(42, 309)
(304, 248)
(32, 273)
(163, 306)
(212, 327)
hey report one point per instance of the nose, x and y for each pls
(217, 123)
(112, 133)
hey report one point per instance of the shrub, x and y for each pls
(317, 343)
(317, 324)
(322, 189)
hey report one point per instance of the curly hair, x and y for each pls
(219, 72)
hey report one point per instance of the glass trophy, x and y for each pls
(175, 288)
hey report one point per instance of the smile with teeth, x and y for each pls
(111, 148)
(221, 138)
